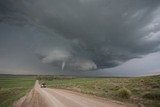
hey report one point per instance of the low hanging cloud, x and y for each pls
(81, 64)
(87, 34)
(56, 55)
(66, 60)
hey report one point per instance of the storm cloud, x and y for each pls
(79, 34)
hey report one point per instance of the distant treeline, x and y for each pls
(50, 78)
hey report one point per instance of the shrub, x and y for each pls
(124, 93)
(152, 95)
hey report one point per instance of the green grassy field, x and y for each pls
(14, 87)
(143, 90)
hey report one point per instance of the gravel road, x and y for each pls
(46, 97)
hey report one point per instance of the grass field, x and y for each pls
(143, 90)
(14, 87)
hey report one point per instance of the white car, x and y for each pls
(43, 85)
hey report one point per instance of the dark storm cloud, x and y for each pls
(86, 34)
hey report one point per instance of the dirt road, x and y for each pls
(45, 97)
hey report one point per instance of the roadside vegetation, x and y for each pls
(137, 90)
(14, 87)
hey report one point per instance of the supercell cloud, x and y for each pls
(77, 35)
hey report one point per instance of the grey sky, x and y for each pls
(76, 36)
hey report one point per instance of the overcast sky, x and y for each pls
(80, 37)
